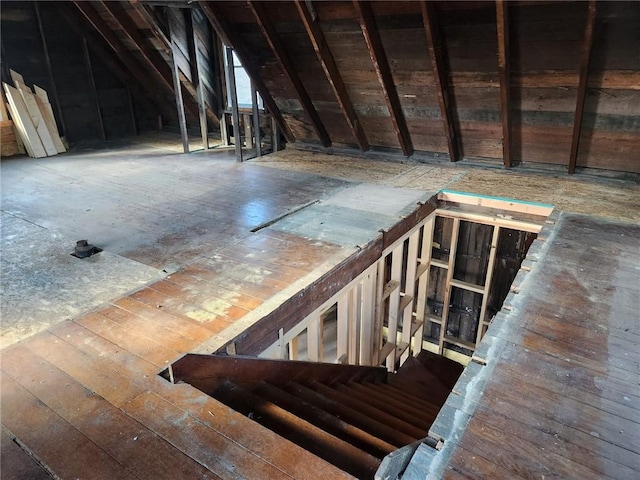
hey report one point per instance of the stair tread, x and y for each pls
(382, 430)
(308, 436)
(325, 420)
(376, 413)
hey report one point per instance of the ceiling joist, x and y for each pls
(438, 65)
(582, 85)
(270, 34)
(230, 38)
(381, 65)
(332, 73)
(502, 23)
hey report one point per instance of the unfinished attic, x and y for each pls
(330, 239)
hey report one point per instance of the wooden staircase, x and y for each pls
(351, 416)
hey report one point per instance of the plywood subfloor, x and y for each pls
(586, 194)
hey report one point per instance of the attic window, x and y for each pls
(243, 85)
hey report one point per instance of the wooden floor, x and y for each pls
(563, 400)
(83, 399)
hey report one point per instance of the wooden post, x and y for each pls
(178, 93)
(47, 59)
(503, 72)
(202, 108)
(256, 120)
(94, 90)
(248, 135)
(231, 76)
(582, 86)
(275, 132)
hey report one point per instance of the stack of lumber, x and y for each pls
(33, 118)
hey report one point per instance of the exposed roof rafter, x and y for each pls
(131, 31)
(230, 38)
(436, 55)
(381, 65)
(582, 85)
(331, 71)
(127, 59)
(502, 22)
(270, 34)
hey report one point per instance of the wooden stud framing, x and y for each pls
(394, 304)
(447, 287)
(231, 76)
(367, 318)
(423, 284)
(582, 85)
(438, 64)
(279, 51)
(408, 322)
(487, 284)
(353, 322)
(332, 73)
(182, 120)
(503, 72)
(231, 38)
(381, 65)
(315, 339)
(342, 345)
(378, 339)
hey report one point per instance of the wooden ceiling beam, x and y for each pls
(383, 71)
(438, 65)
(502, 23)
(332, 73)
(231, 38)
(582, 85)
(277, 47)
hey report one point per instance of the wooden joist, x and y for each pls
(332, 73)
(383, 71)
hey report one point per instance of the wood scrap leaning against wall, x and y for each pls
(32, 121)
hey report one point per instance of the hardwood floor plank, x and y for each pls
(130, 443)
(35, 425)
(128, 339)
(16, 462)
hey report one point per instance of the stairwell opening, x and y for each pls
(358, 366)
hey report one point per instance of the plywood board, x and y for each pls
(23, 123)
(50, 120)
(37, 119)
